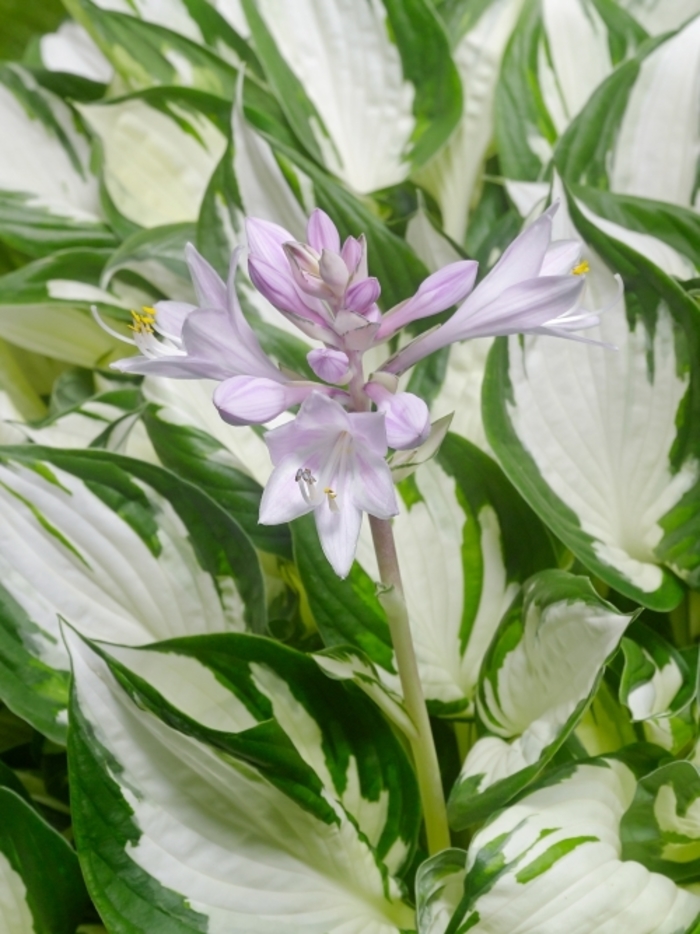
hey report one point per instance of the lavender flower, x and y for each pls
(330, 459)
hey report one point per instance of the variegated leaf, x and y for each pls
(661, 827)
(658, 16)
(559, 55)
(49, 198)
(71, 50)
(150, 265)
(41, 886)
(555, 862)
(460, 548)
(252, 793)
(634, 175)
(170, 34)
(201, 458)
(122, 550)
(453, 175)
(601, 442)
(348, 72)
(659, 687)
(45, 308)
(160, 149)
(540, 673)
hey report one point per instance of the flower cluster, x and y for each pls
(331, 458)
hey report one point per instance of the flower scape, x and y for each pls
(350, 469)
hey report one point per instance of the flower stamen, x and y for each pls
(581, 269)
(331, 496)
(306, 481)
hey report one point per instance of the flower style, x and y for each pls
(331, 462)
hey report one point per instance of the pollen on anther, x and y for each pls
(582, 268)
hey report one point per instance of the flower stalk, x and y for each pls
(422, 744)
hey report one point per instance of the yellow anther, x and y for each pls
(142, 324)
(582, 268)
(329, 493)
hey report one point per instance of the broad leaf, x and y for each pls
(658, 16)
(659, 686)
(601, 442)
(453, 175)
(120, 549)
(250, 792)
(49, 198)
(406, 93)
(200, 458)
(661, 828)
(145, 54)
(552, 863)
(41, 887)
(461, 566)
(539, 674)
(45, 308)
(160, 148)
(557, 57)
(150, 265)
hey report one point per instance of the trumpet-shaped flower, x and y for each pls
(212, 341)
(330, 462)
(535, 287)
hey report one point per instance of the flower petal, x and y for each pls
(561, 257)
(361, 296)
(265, 239)
(208, 284)
(171, 316)
(250, 400)
(406, 416)
(282, 500)
(444, 288)
(332, 366)
(338, 531)
(321, 232)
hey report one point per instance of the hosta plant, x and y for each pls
(349, 479)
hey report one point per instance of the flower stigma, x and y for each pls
(307, 482)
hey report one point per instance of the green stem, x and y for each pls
(423, 743)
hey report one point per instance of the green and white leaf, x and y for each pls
(202, 459)
(150, 265)
(658, 16)
(540, 672)
(160, 149)
(555, 862)
(147, 54)
(347, 72)
(49, 197)
(252, 793)
(187, 404)
(632, 165)
(108, 420)
(659, 687)
(589, 437)
(41, 886)
(121, 550)
(346, 663)
(221, 26)
(45, 308)
(453, 175)
(661, 828)
(461, 567)
(71, 50)
(559, 55)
